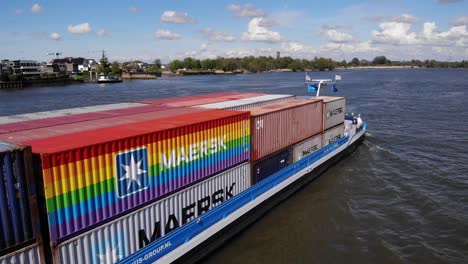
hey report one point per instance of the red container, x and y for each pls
(276, 126)
(61, 120)
(201, 99)
(52, 131)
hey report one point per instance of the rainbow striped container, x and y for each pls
(93, 177)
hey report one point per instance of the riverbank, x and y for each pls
(39, 82)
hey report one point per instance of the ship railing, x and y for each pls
(161, 247)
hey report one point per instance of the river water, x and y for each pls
(402, 197)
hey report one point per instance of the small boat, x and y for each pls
(108, 79)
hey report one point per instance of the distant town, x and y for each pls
(79, 69)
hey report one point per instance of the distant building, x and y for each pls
(22, 67)
(70, 63)
(88, 65)
(278, 54)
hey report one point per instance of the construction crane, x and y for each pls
(56, 54)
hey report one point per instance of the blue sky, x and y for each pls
(147, 30)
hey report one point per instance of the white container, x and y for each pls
(333, 110)
(246, 103)
(307, 147)
(66, 112)
(30, 254)
(129, 233)
(333, 134)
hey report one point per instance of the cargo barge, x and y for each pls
(161, 180)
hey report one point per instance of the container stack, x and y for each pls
(333, 118)
(112, 179)
(276, 128)
(136, 166)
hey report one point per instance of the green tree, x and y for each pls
(296, 66)
(104, 65)
(115, 68)
(176, 65)
(379, 60)
(321, 64)
(208, 64)
(354, 62)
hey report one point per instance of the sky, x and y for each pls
(168, 30)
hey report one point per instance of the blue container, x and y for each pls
(15, 212)
(271, 164)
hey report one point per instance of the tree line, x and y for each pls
(264, 63)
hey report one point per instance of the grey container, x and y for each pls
(333, 134)
(333, 111)
(307, 147)
(129, 233)
(26, 255)
(247, 103)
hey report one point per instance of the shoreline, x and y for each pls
(220, 72)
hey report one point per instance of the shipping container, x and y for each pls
(271, 164)
(333, 111)
(333, 134)
(16, 226)
(135, 230)
(52, 131)
(28, 255)
(92, 176)
(75, 118)
(247, 103)
(280, 125)
(65, 112)
(195, 100)
(307, 147)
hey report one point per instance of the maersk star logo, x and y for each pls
(109, 249)
(132, 172)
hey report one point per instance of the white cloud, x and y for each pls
(36, 8)
(338, 37)
(267, 22)
(404, 18)
(293, 48)
(102, 33)
(460, 21)
(247, 10)
(255, 32)
(133, 9)
(239, 53)
(55, 36)
(80, 28)
(166, 35)
(214, 35)
(396, 33)
(331, 49)
(455, 36)
(349, 48)
(176, 17)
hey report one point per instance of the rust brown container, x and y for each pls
(276, 126)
